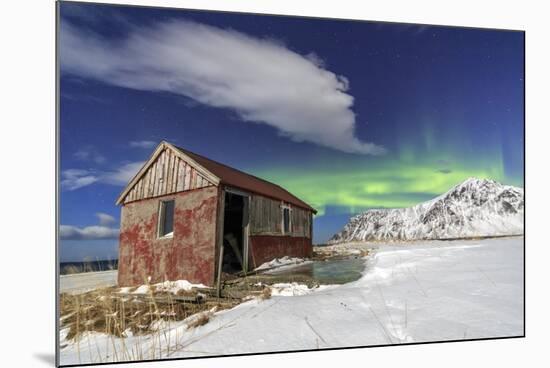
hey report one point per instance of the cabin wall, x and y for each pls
(301, 222)
(189, 254)
(267, 241)
(266, 216)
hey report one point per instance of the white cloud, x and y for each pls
(122, 175)
(73, 179)
(105, 219)
(89, 153)
(261, 79)
(143, 144)
(68, 232)
(94, 232)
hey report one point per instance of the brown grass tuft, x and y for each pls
(265, 293)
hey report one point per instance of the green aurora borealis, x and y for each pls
(351, 184)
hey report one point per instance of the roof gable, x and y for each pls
(167, 171)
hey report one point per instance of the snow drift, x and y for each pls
(474, 208)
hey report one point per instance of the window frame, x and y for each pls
(284, 207)
(161, 218)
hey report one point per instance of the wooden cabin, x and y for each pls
(185, 216)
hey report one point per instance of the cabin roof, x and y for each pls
(217, 173)
(241, 180)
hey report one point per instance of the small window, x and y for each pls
(166, 220)
(286, 220)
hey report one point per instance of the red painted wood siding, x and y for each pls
(264, 248)
(189, 255)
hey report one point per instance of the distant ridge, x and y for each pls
(474, 208)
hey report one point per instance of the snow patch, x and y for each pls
(289, 289)
(295, 289)
(175, 286)
(285, 262)
(167, 286)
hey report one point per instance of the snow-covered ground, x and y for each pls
(429, 291)
(80, 282)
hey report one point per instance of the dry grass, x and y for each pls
(71, 269)
(265, 293)
(88, 266)
(105, 310)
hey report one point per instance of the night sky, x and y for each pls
(346, 115)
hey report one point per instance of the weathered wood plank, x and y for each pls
(187, 177)
(136, 191)
(145, 184)
(149, 181)
(152, 181)
(158, 182)
(193, 184)
(158, 175)
(184, 176)
(164, 173)
(170, 172)
(181, 176)
(173, 177)
(176, 174)
(154, 178)
(139, 189)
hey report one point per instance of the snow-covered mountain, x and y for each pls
(474, 208)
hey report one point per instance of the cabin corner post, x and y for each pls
(119, 247)
(246, 233)
(311, 232)
(219, 238)
(311, 226)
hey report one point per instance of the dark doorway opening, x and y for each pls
(234, 222)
